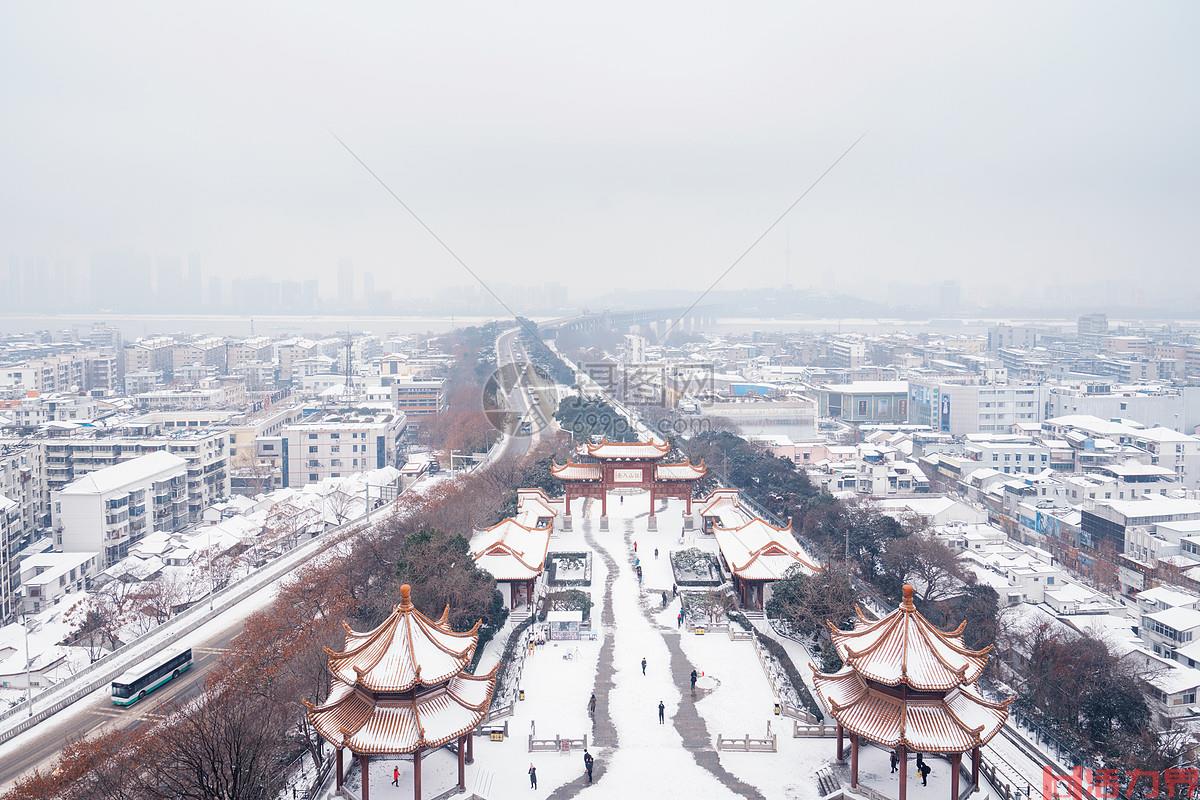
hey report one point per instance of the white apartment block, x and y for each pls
(336, 444)
(46, 577)
(155, 354)
(66, 372)
(1014, 455)
(209, 393)
(209, 350)
(257, 348)
(206, 452)
(111, 509)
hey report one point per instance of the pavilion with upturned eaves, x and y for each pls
(911, 688)
(403, 689)
(628, 465)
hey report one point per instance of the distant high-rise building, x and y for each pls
(1092, 330)
(949, 297)
(369, 289)
(345, 284)
(195, 277)
(215, 294)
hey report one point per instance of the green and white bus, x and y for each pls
(139, 681)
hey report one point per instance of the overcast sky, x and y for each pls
(608, 145)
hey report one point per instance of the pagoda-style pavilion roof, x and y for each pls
(511, 551)
(409, 650)
(906, 648)
(683, 471)
(632, 451)
(953, 722)
(348, 718)
(760, 551)
(576, 472)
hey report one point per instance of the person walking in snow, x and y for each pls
(679, 619)
(532, 776)
(693, 683)
(592, 705)
(664, 597)
(643, 666)
(662, 711)
(656, 552)
(588, 761)
(924, 770)
(894, 760)
(395, 776)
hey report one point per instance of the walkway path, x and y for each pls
(687, 720)
(604, 733)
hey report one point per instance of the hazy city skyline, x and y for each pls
(1008, 149)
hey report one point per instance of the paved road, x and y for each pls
(93, 715)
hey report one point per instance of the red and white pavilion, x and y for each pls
(910, 687)
(628, 465)
(515, 555)
(401, 689)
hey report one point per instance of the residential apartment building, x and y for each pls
(256, 348)
(208, 350)
(417, 397)
(47, 577)
(338, 443)
(113, 508)
(154, 354)
(847, 353)
(10, 526)
(1016, 455)
(206, 451)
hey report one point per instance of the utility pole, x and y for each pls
(28, 685)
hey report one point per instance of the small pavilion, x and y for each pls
(758, 554)
(402, 689)
(910, 687)
(515, 555)
(628, 465)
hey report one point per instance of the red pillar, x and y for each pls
(364, 766)
(853, 761)
(652, 500)
(416, 775)
(603, 501)
(975, 769)
(337, 768)
(902, 757)
(462, 764)
(471, 748)
(841, 751)
(567, 495)
(955, 764)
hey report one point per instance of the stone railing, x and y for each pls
(749, 744)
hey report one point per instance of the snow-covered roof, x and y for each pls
(511, 551)
(128, 472)
(759, 551)
(408, 651)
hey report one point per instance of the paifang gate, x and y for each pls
(627, 465)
